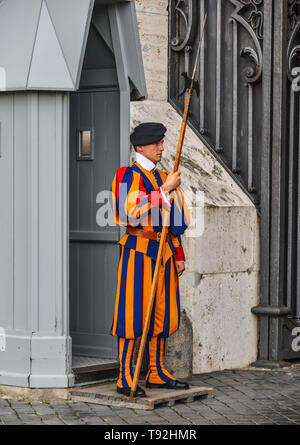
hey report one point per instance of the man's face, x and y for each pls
(152, 151)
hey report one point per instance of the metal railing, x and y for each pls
(247, 113)
(226, 115)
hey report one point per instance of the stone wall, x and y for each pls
(221, 281)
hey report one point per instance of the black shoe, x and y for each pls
(175, 384)
(126, 391)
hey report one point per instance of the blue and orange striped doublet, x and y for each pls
(137, 202)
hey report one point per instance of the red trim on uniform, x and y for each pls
(156, 198)
(141, 185)
(143, 191)
(179, 254)
(119, 177)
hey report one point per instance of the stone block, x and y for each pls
(179, 357)
(228, 242)
(153, 7)
(226, 332)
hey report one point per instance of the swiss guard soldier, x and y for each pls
(139, 192)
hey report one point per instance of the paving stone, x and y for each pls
(25, 411)
(94, 420)
(11, 415)
(70, 413)
(31, 420)
(99, 408)
(129, 411)
(203, 422)
(240, 397)
(160, 421)
(114, 420)
(42, 408)
(12, 422)
(6, 411)
(172, 416)
(149, 416)
(73, 421)
(51, 420)
(59, 404)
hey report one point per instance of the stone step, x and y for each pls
(96, 373)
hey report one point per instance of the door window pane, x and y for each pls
(85, 145)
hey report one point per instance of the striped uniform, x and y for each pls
(137, 202)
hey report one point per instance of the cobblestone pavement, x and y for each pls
(240, 397)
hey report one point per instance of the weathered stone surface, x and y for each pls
(153, 29)
(226, 336)
(228, 242)
(29, 394)
(153, 7)
(179, 357)
(200, 171)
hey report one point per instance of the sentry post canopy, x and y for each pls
(43, 42)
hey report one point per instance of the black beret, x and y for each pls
(147, 133)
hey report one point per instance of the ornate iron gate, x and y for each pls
(247, 113)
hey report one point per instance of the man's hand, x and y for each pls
(180, 266)
(172, 182)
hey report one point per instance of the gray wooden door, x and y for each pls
(94, 252)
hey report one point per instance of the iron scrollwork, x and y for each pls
(293, 52)
(186, 10)
(293, 15)
(249, 13)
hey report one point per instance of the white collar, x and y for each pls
(145, 162)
